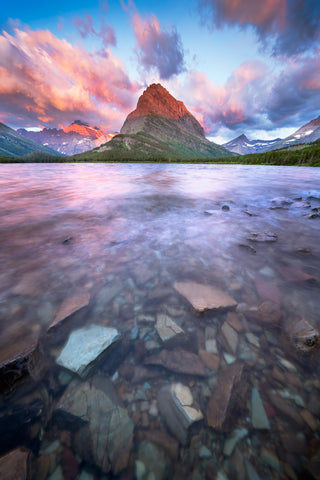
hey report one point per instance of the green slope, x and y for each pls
(12, 144)
(158, 138)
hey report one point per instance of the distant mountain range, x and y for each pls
(159, 128)
(307, 134)
(242, 145)
(76, 138)
(12, 144)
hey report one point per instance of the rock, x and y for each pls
(177, 407)
(15, 465)
(152, 462)
(163, 440)
(270, 458)
(267, 290)
(210, 361)
(204, 452)
(259, 417)
(293, 274)
(309, 419)
(285, 409)
(281, 202)
(167, 328)
(234, 321)
(301, 340)
(268, 313)
(247, 248)
(262, 237)
(211, 346)
(253, 339)
(250, 471)
(179, 361)
(230, 336)
(105, 434)
(233, 439)
(17, 365)
(69, 306)
(84, 346)
(228, 398)
(205, 297)
(313, 464)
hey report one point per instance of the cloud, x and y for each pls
(156, 48)
(292, 26)
(255, 97)
(85, 28)
(49, 80)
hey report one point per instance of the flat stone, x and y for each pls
(268, 313)
(15, 465)
(253, 339)
(293, 274)
(161, 438)
(210, 361)
(204, 297)
(177, 407)
(228, 398)
(211, 346)
(259, 417)
(270, 458)
(250, 471)
(267, 290)
(230, 336)
(285, 409)
(309, 419)
(84, 346)
(166, 327)
(69, 306)
(152, 462)
(233, 439)
(234, 321)
(106, 431)
(262, 237)
(179, 361)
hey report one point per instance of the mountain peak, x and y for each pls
(156, 100)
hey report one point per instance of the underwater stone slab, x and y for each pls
(106, 430)
(228, 398)
(166, 327)
(179, 361)
(84, 346)
(204, 297)
(69, 306)
(258, 415)
(178, 410)
(262, 237)
(15, 465)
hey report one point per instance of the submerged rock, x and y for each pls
(205, 297)
(84, 346)
(167, 328)
(177, 408)
(262, 237)
(230, 337)
(268, 313)
(69, 306)
(228, 398)
(105, 434)
(258, 415)
(15, 465)
(301, 340)
(179, 361)
(233, 439)
(152, 462)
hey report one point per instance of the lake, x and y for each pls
(159, 322)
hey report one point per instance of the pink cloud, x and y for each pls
(43, 76)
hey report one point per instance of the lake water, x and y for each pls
(126, 247)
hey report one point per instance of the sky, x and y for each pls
(239, 66)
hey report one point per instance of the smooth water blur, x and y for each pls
(141, 227)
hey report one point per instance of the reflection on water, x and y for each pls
(231, 393)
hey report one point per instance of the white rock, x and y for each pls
(253, 339)
(84, 346)
(182, 393)
(166, 327)
(211, 346)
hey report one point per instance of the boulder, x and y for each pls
(178, 409)
(104, 435)
(228, 398)
(179, 361)
(205, 297)
(15, 465)
(84, 346)
(301, 340)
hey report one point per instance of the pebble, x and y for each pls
(233, 439)
(258, 415)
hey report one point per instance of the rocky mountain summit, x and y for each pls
(160, 127)
(308, 133)
(243, 145)
(76, 138)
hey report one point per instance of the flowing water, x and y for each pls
(108, 245)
